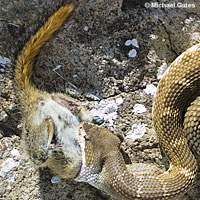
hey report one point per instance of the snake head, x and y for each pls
(102, 139)
(96, 143)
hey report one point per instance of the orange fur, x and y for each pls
(25, 61)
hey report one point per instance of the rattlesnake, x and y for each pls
(102, 162)
(96, 158)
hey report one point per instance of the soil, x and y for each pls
(107, 50)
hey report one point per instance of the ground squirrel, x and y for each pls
(50, 127)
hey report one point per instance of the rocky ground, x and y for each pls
(109, 55)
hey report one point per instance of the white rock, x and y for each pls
(2, 70)
(19, 126)
(107, 110)
(137, 131)
(161, 71)
(4, 61)
(85, 28)
(9, 187)
(132, 53)
(119, 101)
(139, 108)
(8, 144)
(132, 42)
(154, 37)
(15, 152)
(55, 179)
(7, 166)
(30, 169)
(150, 89)
(128, 42)
(11, 178)
(135, 43)
(3, 116)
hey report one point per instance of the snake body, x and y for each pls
(52, 127)
(102, 162)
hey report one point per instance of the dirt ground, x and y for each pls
(107, 53)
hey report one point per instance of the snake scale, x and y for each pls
(97, 159)
(102, 162)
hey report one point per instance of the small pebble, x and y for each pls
(161, 71)
(128, 42)
(19, 126)
(11, 178)
(15, 152)
(75, 76)
(9, 187)
(150, 89)
(132, 42)
(85, 28)
(55, 179)
(139, 108)
(4, 61)
(7, 166)
(132, 53)
(135, 43)
(30, 169)
(3, 116)
(137, 131)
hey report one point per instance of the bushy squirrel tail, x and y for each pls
(25, 60)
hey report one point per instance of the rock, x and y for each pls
(3, 116)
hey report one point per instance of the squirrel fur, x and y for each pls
(50, 127)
